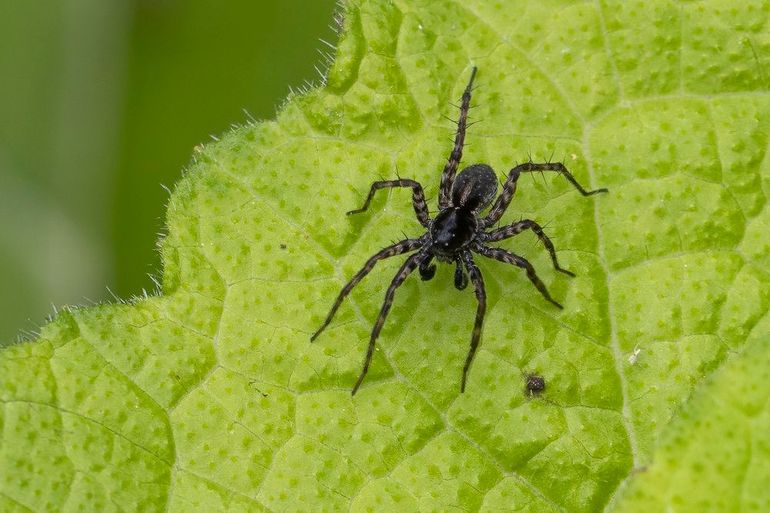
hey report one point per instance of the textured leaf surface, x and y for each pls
(211, 398)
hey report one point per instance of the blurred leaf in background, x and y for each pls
(100, 104)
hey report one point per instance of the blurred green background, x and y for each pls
(101, 103)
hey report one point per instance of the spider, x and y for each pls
(456, 232)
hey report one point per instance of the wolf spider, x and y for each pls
(457, 231)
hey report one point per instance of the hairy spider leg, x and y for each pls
(418, 198)
(410, 265)
(448, 175)
(461, 279)
(511, 258)
(481, 296)
(398, 248)
(427, 270)
(516, 228)
(509, 187)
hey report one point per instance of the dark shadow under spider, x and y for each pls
(457, 231)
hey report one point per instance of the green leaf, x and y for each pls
(210, 397)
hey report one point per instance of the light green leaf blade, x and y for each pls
(714, 455)
(211, 397)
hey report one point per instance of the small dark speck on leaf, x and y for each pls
(535, 384)
(254, 384)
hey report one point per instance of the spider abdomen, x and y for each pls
(474, 188)
(452, 229)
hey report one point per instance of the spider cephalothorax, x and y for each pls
(457, 231)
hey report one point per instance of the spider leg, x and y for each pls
(461, 279)
(448, 175)
(411, 263)
(509, 188)
(481, 296)
(418, 197)
(506, 232)
(511, 258)
(395, 249)
(427, 270)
